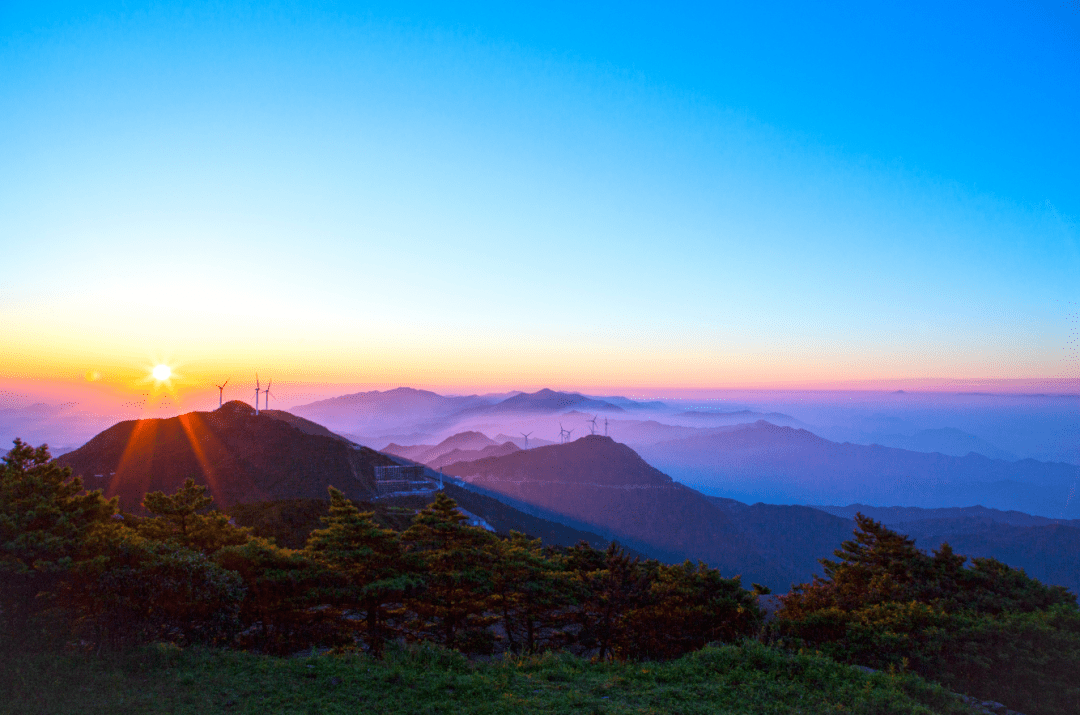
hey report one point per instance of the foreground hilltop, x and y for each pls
(241, 456)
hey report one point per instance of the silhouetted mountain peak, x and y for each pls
(235, 408)
(593, 459)
(466, 440)
(548, 400)
(239, 455)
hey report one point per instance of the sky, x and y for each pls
(625, 196)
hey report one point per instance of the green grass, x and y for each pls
(744, 679)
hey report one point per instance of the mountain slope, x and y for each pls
(792, 536)
(504, 519)
(599, 483)
(240, 456)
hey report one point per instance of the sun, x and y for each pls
(161, 373)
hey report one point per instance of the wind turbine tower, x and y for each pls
(266, 393)
(220, 392)
(562, 434)
(592, 425)
(257, 391)
(605, 426)
(526, 436)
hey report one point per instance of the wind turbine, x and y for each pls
(562, 434)
(266, 392)
(605, 426)
(592, 429)
(526, 436)
(221, 391)
(257, 391)
(568, 433)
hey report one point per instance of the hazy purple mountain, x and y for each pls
(466, 445)
(469, 455)
(644, 432)
(376, 413)
(408, 451)
(737, 417)
(946, 440)
(519, 440)
(548, 401)
(627, 404)
(765, 462)
(62, 426)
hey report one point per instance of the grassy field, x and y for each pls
(731, 679)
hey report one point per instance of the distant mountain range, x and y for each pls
(737, 417)
(405, 413)
(548, 401)
(766, 462)
(240, 456)
(469, 440)
(628, 404)
(62, 426)
(464, 446)
(947, 440)
(377, 413)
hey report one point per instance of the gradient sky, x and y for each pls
(523, 195)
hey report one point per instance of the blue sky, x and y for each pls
(621, 195)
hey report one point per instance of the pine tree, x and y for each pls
(283, 590)
(177, 517)
(611, 585)
(44, 522)
(688, 606)
(370, 559)
(530, 588)
(455, 606)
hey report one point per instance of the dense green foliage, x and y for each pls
(742, 679)
(289, 522)
(45, 522)
(77, 576)
(185, 518)
(187, 574)
(987, 630)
